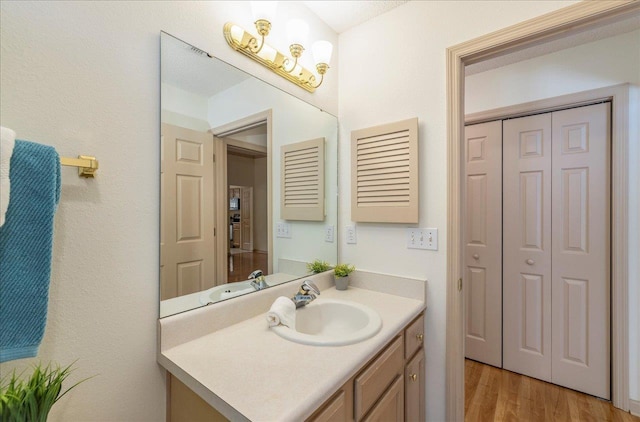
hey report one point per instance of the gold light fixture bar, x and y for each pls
(247, 44)
(87, 166)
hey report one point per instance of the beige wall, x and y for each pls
(85, 78)
(406, 78)
(239, 170)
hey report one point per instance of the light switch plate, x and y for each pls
(329, 233)
(351, 235)
(418, 238)
(283, 230)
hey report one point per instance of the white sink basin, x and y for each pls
(332, 322)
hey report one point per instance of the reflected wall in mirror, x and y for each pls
(222, 133)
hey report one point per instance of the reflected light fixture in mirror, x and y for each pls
(289, 68)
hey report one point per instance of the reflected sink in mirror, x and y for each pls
(225, 291)
(332, 322)
(239, 288)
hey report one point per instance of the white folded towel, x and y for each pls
(283, 311)
(7, 141)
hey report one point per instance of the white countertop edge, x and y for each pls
(181, 364)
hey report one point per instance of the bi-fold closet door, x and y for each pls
(554, 262)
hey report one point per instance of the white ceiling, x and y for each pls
(344, 15)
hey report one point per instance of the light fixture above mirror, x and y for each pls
(288, 67)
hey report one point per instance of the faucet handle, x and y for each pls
(255, 274)
(309, 286)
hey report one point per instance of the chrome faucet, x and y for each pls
(257, 280)
(306, 294)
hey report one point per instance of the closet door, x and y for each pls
(482, 197)
(527, 245)
(580, 274)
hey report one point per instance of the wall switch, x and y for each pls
(351, 235)
(328, 233)
(283, 230)
(422, 239)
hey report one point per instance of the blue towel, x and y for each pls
(25, 249)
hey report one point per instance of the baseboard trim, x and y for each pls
(634, 407)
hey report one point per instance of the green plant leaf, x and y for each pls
(32, 399)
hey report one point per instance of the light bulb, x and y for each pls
(264, 10)
(322, 51)
(297, 32)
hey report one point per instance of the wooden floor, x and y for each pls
(493, 394)
(243, 264)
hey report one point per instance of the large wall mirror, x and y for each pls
(223, 136)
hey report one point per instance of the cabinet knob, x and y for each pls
(414, 377)
(420, 337)
(476, 256)
(530, 261)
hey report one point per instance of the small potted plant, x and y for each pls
(31, 399)
(318, 266)
(341, 273)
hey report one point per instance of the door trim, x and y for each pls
(563, 22)
(221, 183)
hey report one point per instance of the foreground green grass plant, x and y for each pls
(31, 399)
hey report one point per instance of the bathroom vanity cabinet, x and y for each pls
(390, 387)
(210, 358)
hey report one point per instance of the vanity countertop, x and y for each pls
(249, 372)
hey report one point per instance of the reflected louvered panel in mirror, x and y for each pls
(222, 135)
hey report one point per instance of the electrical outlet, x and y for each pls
(328, 233)
(422, 239)
(283, 230)
(351, 235)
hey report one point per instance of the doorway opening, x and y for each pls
(246, 158)
(566, 21)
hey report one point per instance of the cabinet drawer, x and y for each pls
(390, 408)
(374, 380)
(414, 377)
(413, 337)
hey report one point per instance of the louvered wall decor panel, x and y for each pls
(384, 173)
(302, 181)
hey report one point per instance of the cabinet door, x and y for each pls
(414, 379)
(373, 381)
(390, 408)
(333, 411)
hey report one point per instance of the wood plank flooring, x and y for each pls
(493, 394)
(243, 264)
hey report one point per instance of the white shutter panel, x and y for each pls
(384, 173)
(302, 185)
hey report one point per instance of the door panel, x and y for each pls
(187, 221)
(527, 245)
(581, 284)
(483, 243)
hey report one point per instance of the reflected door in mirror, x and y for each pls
(187, 251)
